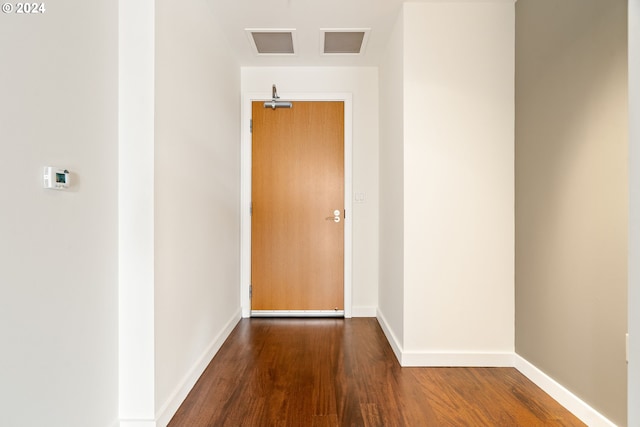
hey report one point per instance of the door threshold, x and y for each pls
(297, 313)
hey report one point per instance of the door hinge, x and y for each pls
(251, 125)
(250, 291)
(251, 209)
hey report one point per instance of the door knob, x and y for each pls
(335, 217)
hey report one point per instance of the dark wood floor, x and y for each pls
(335, 372)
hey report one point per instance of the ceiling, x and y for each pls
(307, 18)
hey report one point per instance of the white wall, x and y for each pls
(197, 197)
(459, 179)
(136, 47)
(458, 79)
(391, 227)
(58, 250)
(362, 82)
(178, 202)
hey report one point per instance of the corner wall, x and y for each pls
(178, 203)
(59, 249)
(571, 196)
(453, 186)
(391, 227)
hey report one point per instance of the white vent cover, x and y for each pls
(344, 41)
(272, 41)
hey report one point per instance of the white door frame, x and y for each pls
(245, 189)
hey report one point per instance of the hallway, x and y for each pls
(335, 372)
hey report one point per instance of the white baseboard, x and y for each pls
(388, 332)
(570, 401)
(431, 359)
(246, 312)
(169, 409)
(363, 311)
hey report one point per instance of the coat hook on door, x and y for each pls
(274, 103)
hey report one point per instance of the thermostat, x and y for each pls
(56, 178)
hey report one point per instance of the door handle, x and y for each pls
(335, 217)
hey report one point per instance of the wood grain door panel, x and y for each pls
(297, 249)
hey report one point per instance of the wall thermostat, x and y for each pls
(56, 178)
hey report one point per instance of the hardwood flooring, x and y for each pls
(336, 372)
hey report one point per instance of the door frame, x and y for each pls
(245, 189)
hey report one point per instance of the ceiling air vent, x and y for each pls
(272, 41)
(344, 41)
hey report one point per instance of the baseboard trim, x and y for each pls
(432, 359)
(363, 311)
(388, 332)
(570, 401)
(169, 409)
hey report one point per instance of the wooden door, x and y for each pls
(297, 243)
